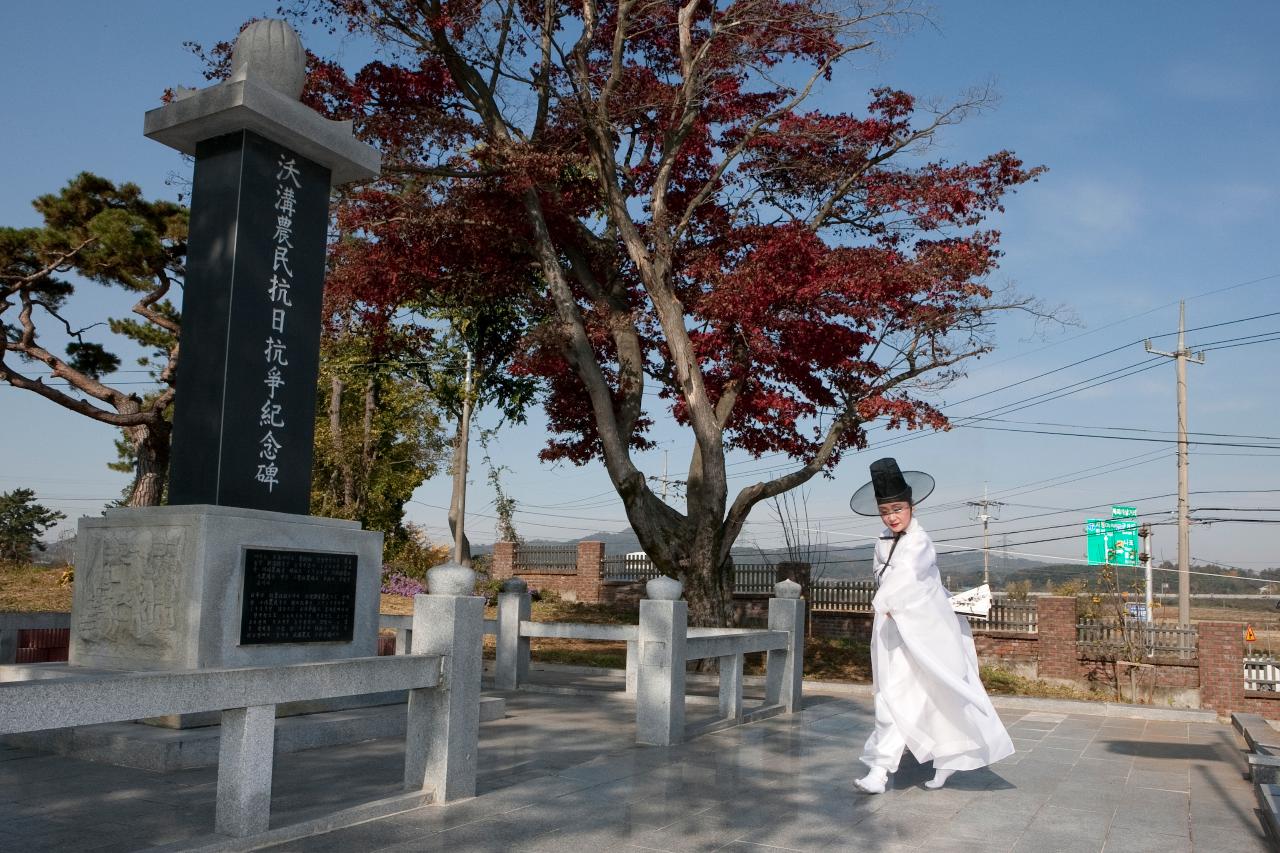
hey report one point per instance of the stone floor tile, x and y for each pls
(1237, 838)
(1059, 830)
(1151, 810)
(1163, 780)
(1126, 840)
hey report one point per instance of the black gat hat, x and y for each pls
(888, 484)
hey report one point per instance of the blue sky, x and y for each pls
(1158, 121)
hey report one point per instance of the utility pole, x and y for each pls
(985, 510)
(665, 480)
(1181, 356)
(1144, 533)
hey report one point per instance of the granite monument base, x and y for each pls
(187, 587)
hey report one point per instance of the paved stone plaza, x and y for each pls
(561, 773)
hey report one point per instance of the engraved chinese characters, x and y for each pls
(297, 597)
(276, 351)
(134, 601)
(245, 409)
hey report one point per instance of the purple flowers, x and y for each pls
(401, 584)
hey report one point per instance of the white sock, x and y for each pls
(939, 779)
(874, 782)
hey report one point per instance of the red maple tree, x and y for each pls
(649, 178)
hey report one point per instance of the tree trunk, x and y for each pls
(151, 447)
(690, 553)
(344, 486)
(459, 484)
(367, 452)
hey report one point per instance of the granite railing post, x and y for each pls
(731, 687)
(443, 726)
(511, 658)
(784, 668)
(633, 667)
(247, 741)
(664, 625)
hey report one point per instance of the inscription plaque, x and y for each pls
(297, 597)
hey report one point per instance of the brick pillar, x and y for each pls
(590, 571)
(504, 560)
(1056, 646)
(1220, 649)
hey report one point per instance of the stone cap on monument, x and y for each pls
(268, 71)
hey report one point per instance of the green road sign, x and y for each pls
(1124, 512)
(1111, 540)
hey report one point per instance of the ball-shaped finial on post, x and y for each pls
(663, 588)
(451, 579)
(786, 589)
(269, 52)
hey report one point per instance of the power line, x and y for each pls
(1122, 437)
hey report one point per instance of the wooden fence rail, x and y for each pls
(1143, 638)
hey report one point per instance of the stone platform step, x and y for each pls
(165, 750)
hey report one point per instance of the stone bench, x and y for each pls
(1263, 743)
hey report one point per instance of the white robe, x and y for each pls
(925, 668)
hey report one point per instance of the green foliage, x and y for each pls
(22, 523)
(503, 504)
(1075, 586)
(378, 444)
(110, 235)
(413, 553)
(1018, 590)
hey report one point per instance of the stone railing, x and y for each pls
(441, 676)
(658, 650)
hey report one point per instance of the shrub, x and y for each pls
(397, 583)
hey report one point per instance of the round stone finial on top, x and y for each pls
(269, 52)
(663, 588)
(451, 579)
(786, 589)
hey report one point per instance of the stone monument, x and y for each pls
(234, 572)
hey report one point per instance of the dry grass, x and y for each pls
(33, 589)
(1001, 682)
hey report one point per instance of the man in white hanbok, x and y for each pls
(928, 697)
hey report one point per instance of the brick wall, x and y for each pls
(504, 560)
(1056, 627)
(1221, 654)
(584, 583)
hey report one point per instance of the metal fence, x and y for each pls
(1151, 639)
(626, 567)
(1261, 672)
(546, 559)
(749, 578)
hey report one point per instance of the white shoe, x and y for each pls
(939, 779)
(874, 782)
